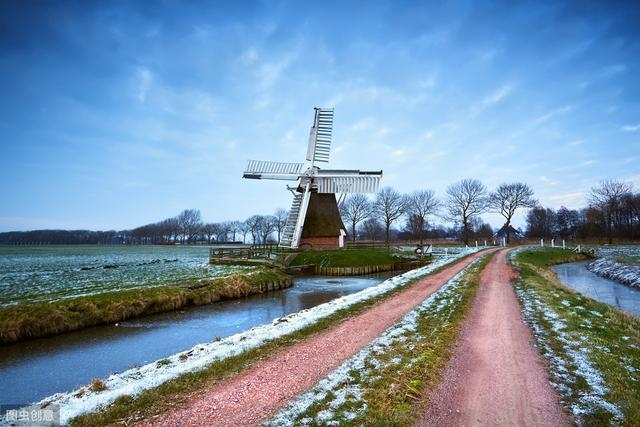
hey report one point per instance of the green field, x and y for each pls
(346, 258)
(49, 273)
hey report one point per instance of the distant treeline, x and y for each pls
(58, 237)
(613, 212)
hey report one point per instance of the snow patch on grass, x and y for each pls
(610, 269)
(344, 387)
(136, 380)
(573, 353)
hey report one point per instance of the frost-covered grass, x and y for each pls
(612, 268)
(379, 385)
(632, 260)
(153, 388)
(593, 350)
(42, 318)
(618, 263)
(55, 272)
(615, 250)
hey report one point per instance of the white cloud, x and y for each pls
(613, 69)
(144, 79)
(362, 124)
(384, 131)
(631, 128)
(570, 200)
(547, 180)
(269, 72)
(498, 95)
(250, 57)
(634, 180)
(550, 114)
(492, 99)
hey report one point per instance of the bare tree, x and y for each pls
(253, 224)
(355, 209)
(508, 198)
(190, 222)
(265, 227)
(371, 228)
(466, 199)
(419, 205)
(235, 227)
(209, 230)
(222, 232)
(388, 206)
(607, 196)
(279, 221)
(244, 228)
(173, 228)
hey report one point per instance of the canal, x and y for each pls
(576, 276)
(33, 370)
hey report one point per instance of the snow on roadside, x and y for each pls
(610, 269)
(136, 380)
(574, 361)
(340, 385)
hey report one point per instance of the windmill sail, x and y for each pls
(367, 183)
(259, 169)
(320, 136)
(315, 188)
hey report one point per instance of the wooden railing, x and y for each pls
(268, 251)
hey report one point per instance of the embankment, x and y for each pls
(40, 319)
(591, 347)
(354, 262)
(610, 269)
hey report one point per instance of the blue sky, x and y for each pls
(116, 114)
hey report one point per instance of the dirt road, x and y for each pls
(496, 376)
(259, 392)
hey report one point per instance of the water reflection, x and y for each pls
(576, 276)
(32, 370)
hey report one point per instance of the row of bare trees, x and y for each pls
(464, 202)
(613, 213)
(188, 227)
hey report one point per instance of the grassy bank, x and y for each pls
(381, 384)
(173, 393)
(39, 319)
(630, 260)
(345, 258)
(593, 349)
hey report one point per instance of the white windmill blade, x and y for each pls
(260, 169)
(320, 135)
(353, 182)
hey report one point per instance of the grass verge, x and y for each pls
(593, 349)
(39, 319)
(176, 392)
(630, 260)
(381, 384)
(345, 258)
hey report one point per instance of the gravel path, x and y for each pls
(496, 376)
(258, 393)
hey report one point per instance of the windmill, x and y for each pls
(314, 219)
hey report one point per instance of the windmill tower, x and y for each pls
(314, 219)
